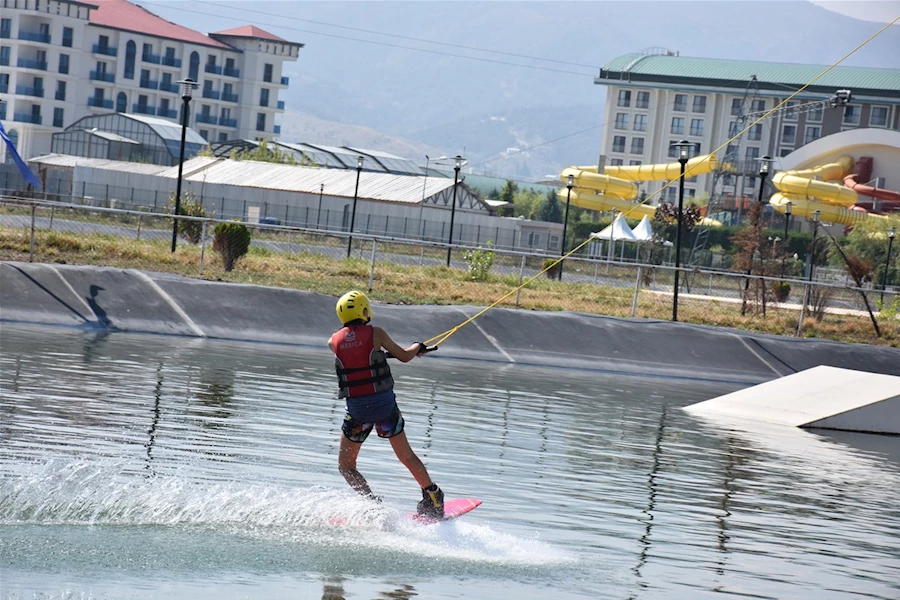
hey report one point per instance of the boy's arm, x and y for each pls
(383, 340)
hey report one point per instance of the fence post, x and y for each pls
(803, 309)
(372, 264)
(203, 247)
(521, 276)
(637, 287)
(139, 227)
(31, 252)
(51, 224)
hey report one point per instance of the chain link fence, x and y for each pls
(41, 231)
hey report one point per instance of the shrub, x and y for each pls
(232, 241)
(781, 290)
(479, 262)
(190, 206)
(552, 272)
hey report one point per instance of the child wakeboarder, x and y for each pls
(364, 379)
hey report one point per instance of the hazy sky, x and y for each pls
(882, 11)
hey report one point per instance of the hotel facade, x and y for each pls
(62, 60)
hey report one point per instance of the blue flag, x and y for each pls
(27, 174)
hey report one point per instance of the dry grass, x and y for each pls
(398, 284)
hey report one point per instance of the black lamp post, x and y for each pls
(187, 90)
(763, 173)
(359, 165)
(319, 210)
(683, 148)
(784, 244)
(887, 261)
(457, 165)
(562, 246)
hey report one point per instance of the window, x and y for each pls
(616, 162)
(67, 37)
(673, 151)
(264, 97)
(142, 100)
(812, 134)
(624, 98)
(534, 239)
(699, 104)
(204, 134)
(130, 57)
(733, 129)
(736, 104)
(57, 117)
(145, 78)
(752, 153)
(637, 145)
(267, 73)
(170, 54)
(618, 143)
(790, 111)
(690, 193)
(211, 60)
(223, 137)
(4, 56)
(163, 106)
(61, 90)
(784, 152)
(680, 103)
(5, 28)
(98, 94)
(755, 133)
(121, 102)
(695, 149)
(758, 106)
(635, 163)
(4, 86)
(621, 120)
(732, 152)
(103, 42)
(789, 134)
(643, 100)
(640, 122)
(64, 64)
(696, 126)
(261, 121)
(879, 116)
(677, 125)
(194, 69)
(814, 114)
(672, 194)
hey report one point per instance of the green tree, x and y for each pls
(867, 243)
(508, 193)
(552, 211)
(529, 204)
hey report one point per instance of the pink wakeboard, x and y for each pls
(452, 509)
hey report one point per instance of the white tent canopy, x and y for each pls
(643, 232)
(616, 231)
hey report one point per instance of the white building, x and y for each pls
(61, 60)
(654, 100)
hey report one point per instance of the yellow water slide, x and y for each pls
(614, 189)
(808, 195)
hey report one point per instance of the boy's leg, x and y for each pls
(347, 466)
(409, 459)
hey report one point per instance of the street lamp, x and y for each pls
(359, 165)
(457, 165)
(887, 261)
(187, 90)
(757, 215)
(683, 147)
(784, 245)
(319, 210)
(562, 247)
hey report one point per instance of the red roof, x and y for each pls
(250, 31)
(121, 14)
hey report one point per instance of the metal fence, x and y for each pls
(45, 231)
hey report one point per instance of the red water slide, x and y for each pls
(856, 181)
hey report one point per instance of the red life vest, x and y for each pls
(362, 369)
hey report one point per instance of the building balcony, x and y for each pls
(149, 84)
(171, 61)
(214, 69)
(211, 94)
(149, 57)
(26, 63)
(227, 122)
(100, 102)
(169, 87)
(107, 77)
(210, 119)
(24, 90)
(285, 80)
(280, 105)
(231, 72)
(143, 109)
(278, 130)
(230, 97)
(169, 113)
(34, 36)
(104, 50)
(28, 118)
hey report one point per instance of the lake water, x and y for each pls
(159, 467)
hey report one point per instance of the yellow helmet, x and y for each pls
(352, 306)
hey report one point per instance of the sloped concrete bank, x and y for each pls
(96, 298)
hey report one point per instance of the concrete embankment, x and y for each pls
(96, 298)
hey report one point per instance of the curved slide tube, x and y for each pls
(803, 207)
(614, 189)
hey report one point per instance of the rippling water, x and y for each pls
(148, 466)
